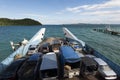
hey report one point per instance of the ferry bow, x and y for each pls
(69, 35)
(35, 40)
(55, 58)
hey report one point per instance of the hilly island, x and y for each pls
(18, 22)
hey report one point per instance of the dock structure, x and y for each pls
(107, 30)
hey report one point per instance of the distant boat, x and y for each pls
(108, 28)
(55, 58)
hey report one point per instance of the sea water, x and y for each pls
(106, 44)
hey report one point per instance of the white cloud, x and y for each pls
(101, 17)
(75, 9)
(102, 13)
(107, 12)
(106, 5)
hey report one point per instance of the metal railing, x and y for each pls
(112, 64)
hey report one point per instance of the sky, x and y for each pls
(63, 11)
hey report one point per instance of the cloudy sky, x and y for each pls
(62, 11)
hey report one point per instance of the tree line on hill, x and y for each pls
(22, 22)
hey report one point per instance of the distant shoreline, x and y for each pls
(18, 22)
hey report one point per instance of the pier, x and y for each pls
(107, 30)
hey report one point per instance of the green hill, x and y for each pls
(18, 22)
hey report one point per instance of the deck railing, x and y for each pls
(112, 64)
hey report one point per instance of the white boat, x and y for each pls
(55, 58)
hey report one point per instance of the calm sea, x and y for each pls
(108, 45)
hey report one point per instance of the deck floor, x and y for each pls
(88, 77)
